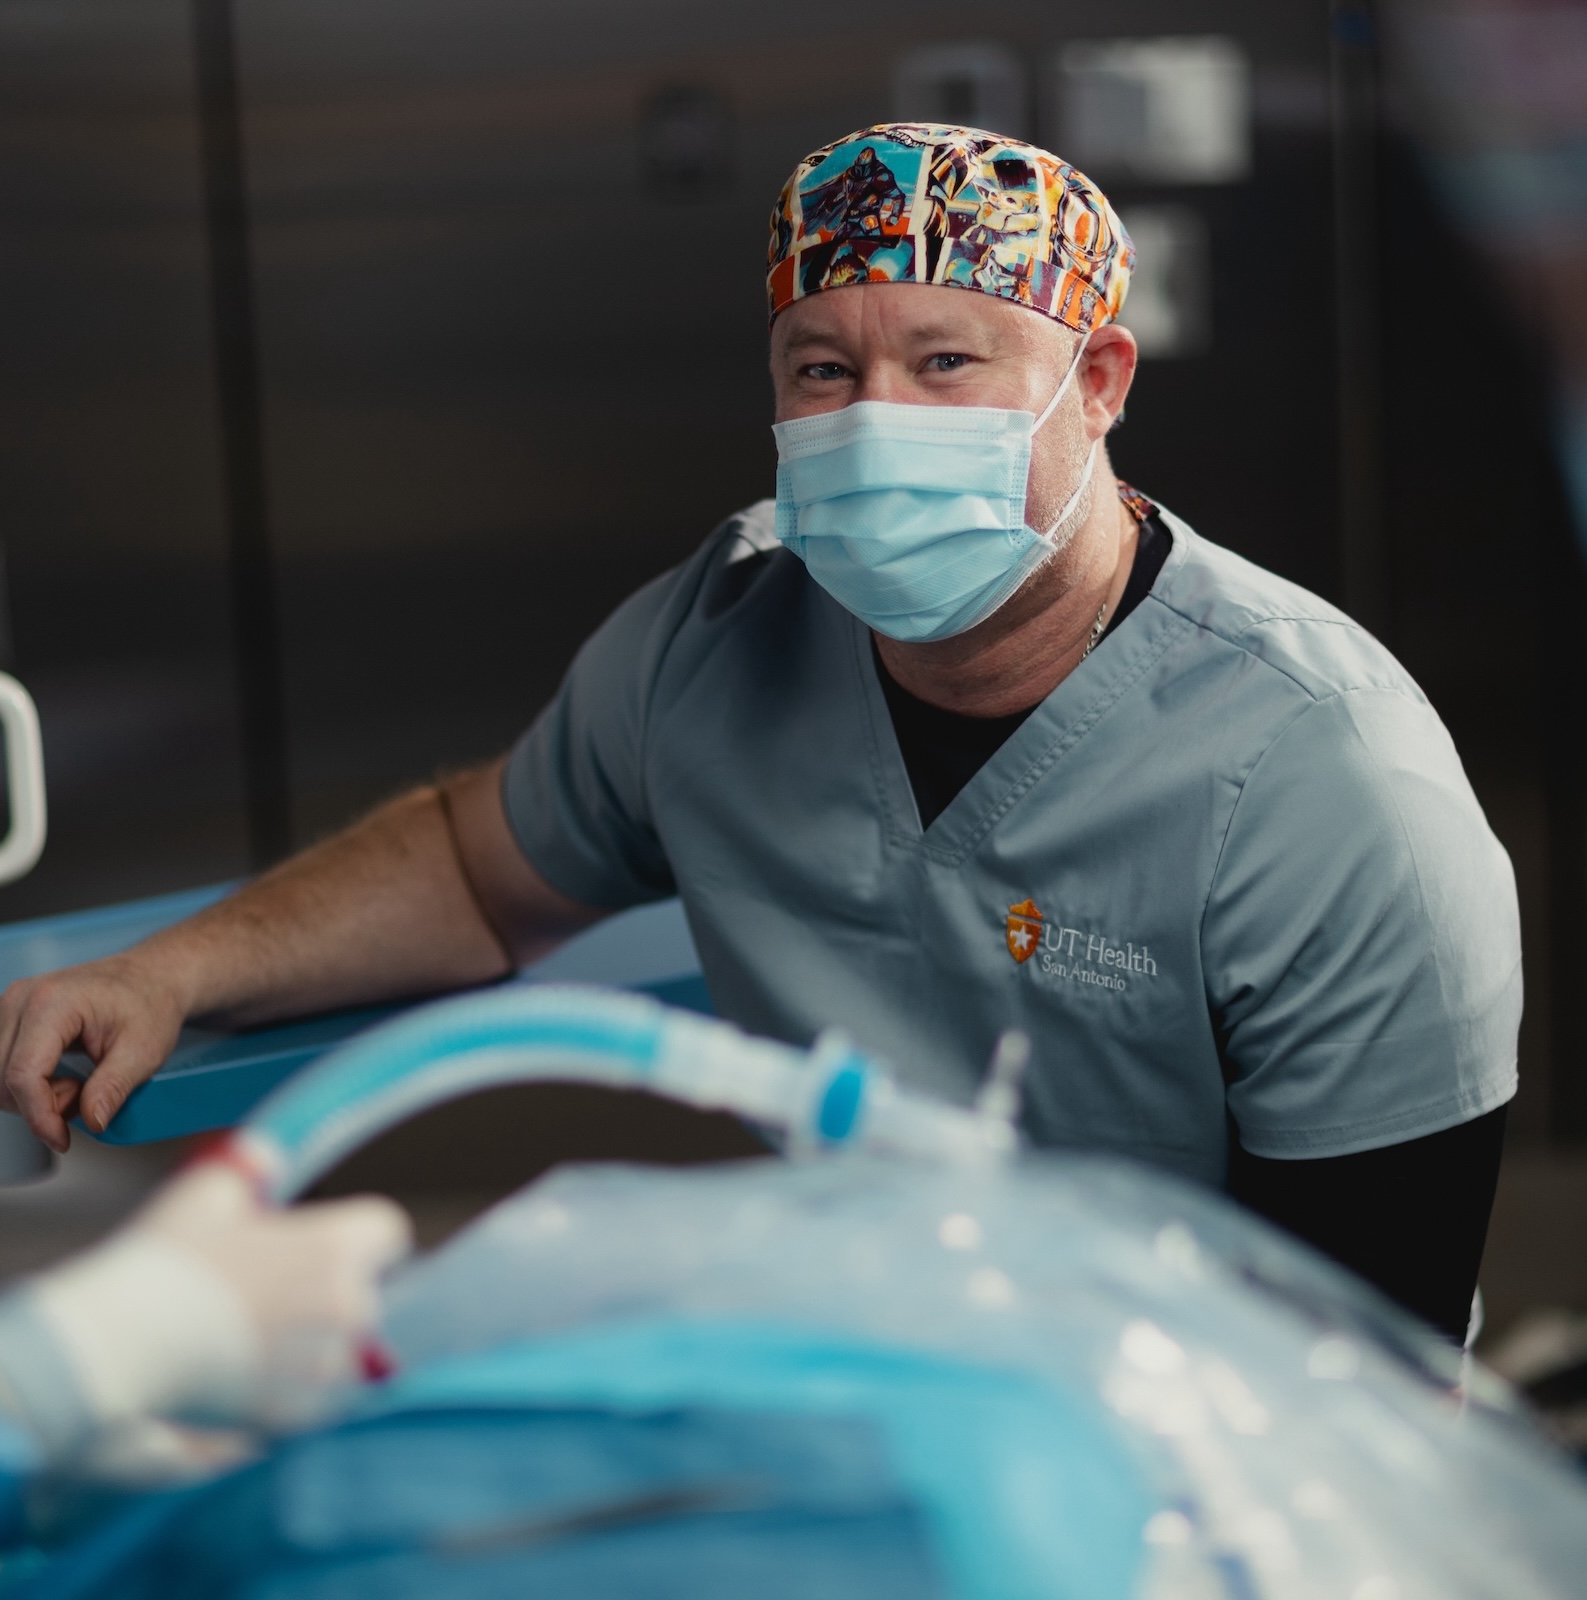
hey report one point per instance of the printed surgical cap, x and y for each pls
(918, 202)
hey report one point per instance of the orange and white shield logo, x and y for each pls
(1024, 930)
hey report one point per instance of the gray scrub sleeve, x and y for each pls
(1361, 941)
(574, 787)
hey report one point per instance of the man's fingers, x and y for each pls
(11, 1004)
(117, 1022)
(66, 1090)
(134, 1055)
(45, 1030)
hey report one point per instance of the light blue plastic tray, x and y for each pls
(213, 1079)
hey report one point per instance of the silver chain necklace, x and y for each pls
(1097, 629)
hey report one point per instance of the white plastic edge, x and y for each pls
(24, 843)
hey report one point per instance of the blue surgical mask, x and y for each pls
(913, 517)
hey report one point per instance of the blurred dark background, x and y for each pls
(505, 264)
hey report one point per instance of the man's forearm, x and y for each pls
(428, 893)
(379, 911)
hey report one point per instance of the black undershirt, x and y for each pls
(943, 750)
(1411, 1218)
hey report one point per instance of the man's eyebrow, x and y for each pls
(810, 336)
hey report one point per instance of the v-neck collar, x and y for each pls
(1053, 728)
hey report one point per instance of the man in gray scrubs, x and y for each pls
(959, 734)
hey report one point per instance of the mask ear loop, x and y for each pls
(1091, 455)
(1063, 387)
(1074, 499)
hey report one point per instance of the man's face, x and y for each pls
(927, 344)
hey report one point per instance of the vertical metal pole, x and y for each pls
(1358, 287)
(237, 384)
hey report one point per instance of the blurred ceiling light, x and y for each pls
(1172, 110)
(686, 142)
(975, 84)
(1169, 306)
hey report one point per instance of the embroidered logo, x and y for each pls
(1024, 930)
(1075, 955)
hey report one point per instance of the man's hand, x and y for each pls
(121, 1013)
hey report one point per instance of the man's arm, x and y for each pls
(1363, 953)
(428, 893)
(1410, 1218)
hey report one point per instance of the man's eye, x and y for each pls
(826, 371)
(947, 363)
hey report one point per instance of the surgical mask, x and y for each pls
(913, 517)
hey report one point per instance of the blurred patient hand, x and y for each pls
(208, 1307)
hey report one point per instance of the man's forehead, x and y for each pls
(907, 311)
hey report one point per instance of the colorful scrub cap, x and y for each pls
(917, 202)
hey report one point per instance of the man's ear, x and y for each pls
(1109, 371)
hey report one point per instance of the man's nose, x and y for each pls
(888, 381)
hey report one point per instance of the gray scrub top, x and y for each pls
(1230, 867)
